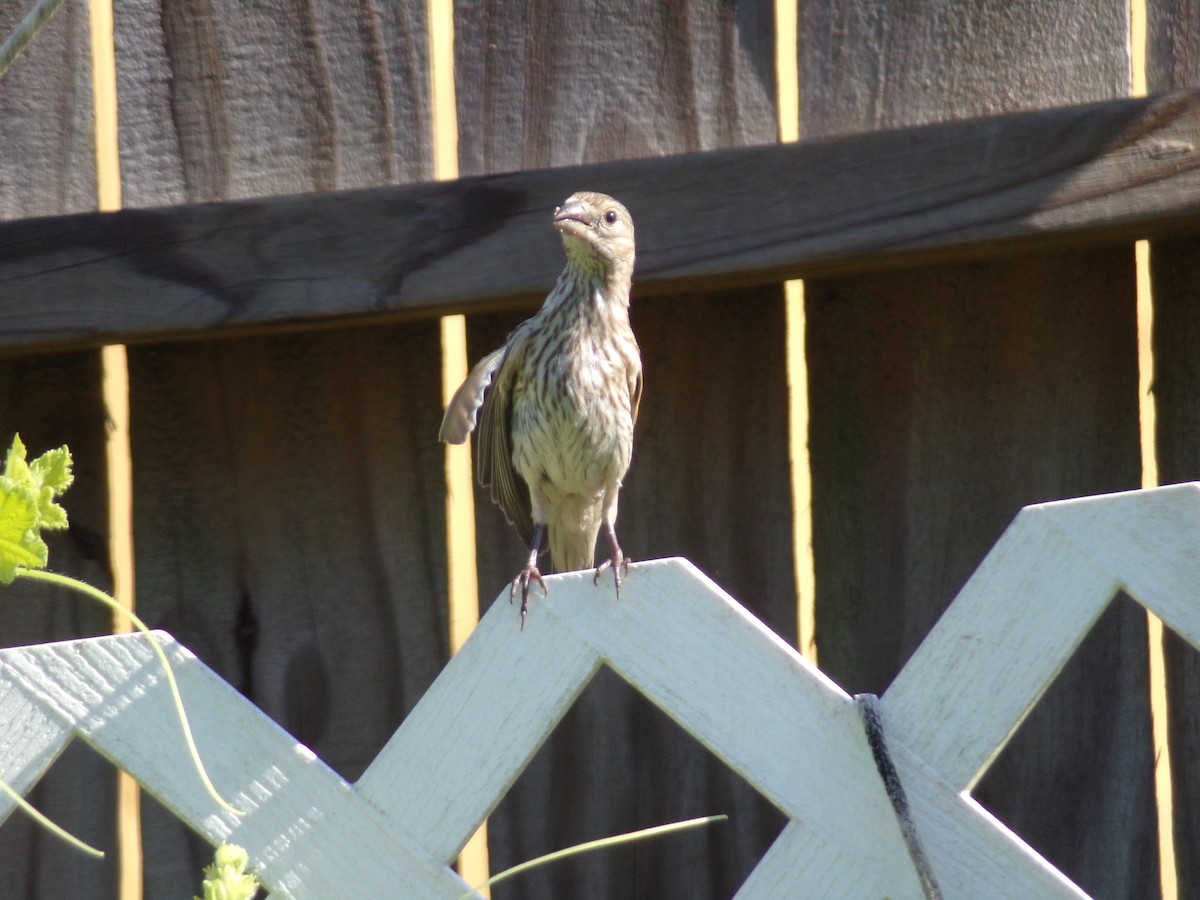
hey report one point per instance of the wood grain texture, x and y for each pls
(547, 86)
(984, 399)
(952, 61)
(1175, 268)
(54, 400)
(289, 496)
(944, 706)
(47, 154)
(936, 193)
(1173, 60)
(1034, 597)
(289, 520)
(944, 400)
(552, 86)
(275, 98)
(47, 168)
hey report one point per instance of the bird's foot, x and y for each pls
(527, 575)
(620, 567)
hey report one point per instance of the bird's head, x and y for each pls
(597, 233)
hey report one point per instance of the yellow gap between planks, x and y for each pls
(463, 578)
(787, 77)
(118, 464)
(1147, 418)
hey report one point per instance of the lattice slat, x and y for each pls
(691, 649)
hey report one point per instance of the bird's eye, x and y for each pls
(611, 217)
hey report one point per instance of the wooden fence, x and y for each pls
(971, 346)
(395, 833)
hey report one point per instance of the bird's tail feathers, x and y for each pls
(572, 549)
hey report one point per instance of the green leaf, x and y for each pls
(27, 505)
(14, 463)
(52, 470)
(20, 543)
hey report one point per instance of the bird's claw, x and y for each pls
(620, 567)
(527, 575)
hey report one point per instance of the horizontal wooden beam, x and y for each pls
(1106, 172)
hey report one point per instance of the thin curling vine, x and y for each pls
(28, 506)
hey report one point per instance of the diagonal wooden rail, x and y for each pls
(1114, 171)
(689, 647)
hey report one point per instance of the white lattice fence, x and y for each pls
(710, 665)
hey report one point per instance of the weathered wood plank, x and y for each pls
(47, 167)
(589, 83)
(1175, 270)
(47, 150)
(289, 491)
(337, 92)
(53, 400)
(1173, 61)
(316, 528)
(435, 779)
(288, 519)
(736, 217)
(943, 400)
(946, 705)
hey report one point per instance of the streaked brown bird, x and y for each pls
(559, 401)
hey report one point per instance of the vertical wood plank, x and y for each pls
(47, 167)
(1174, 267)
(942, 401)
(52, 400)
(1173, 61)
(546, 85)
(48, 161)
(220, 103)
(289, 494)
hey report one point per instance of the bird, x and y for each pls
(557, 403)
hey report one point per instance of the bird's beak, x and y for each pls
(572, 218)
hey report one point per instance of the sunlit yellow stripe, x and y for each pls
(460, 500)
(116, 400)
(788, 104)
(1147, 417)
(104, 99)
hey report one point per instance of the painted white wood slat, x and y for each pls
(996, 649)
(309, 834)
(691, 649)
(478, 726)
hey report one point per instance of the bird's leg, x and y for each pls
(618, 562)
(529, 573)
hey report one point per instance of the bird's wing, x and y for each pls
(459, 421)
(494, 462)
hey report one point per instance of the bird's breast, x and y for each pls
(572, 417)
